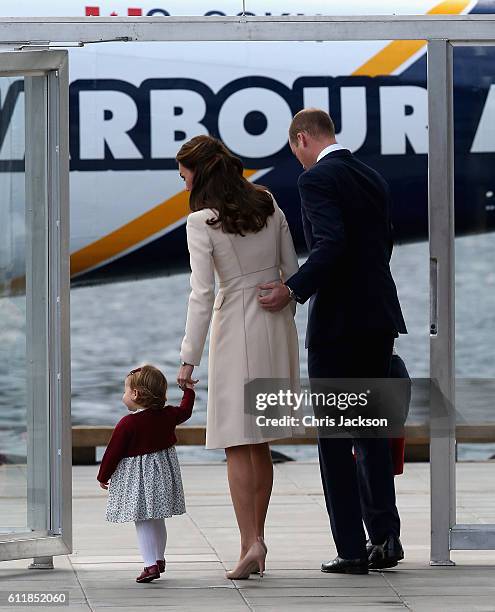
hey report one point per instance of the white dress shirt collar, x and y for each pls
(329, 149)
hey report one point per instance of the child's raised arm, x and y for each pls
(114, 452)
(184, 411)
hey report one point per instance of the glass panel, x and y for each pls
(23, 327)
(251, 113)
(474, 105)
(13, 415)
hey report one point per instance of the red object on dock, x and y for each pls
(397, 448)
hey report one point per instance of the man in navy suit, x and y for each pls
(353, 317)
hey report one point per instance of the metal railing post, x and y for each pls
(442, 294)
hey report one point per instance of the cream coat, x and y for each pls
(246, 341)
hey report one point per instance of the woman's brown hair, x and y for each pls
(151, 386)
(219, 184)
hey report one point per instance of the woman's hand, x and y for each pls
(104, 485)
(184, 376)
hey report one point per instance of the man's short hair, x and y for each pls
(317, 123)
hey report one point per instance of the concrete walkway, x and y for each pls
(100, 574)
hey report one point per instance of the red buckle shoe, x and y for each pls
(161, 565)
(148, 574)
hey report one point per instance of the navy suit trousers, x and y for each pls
(360, 489)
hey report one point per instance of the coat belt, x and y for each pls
(247, 281)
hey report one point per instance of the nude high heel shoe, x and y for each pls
(254, 567)
(255, 555)
(262, 542)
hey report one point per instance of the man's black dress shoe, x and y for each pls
(346, 566)
(369, 546)
(386, 555)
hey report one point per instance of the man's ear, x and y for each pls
(301, 139)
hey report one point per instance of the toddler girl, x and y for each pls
(141, 463)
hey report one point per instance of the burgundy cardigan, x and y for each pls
(144, 432)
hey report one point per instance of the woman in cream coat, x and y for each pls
(238, 234)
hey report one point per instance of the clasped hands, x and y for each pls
(184, 377)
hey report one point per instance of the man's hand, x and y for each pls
(277, 299)
(104, 485)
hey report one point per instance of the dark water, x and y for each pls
(119, 326)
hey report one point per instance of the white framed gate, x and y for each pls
(441, 33)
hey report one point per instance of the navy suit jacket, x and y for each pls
(345, 208)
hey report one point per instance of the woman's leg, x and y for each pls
(242, 491)
(261, 461)
(146, 540)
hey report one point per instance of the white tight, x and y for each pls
(152, 539)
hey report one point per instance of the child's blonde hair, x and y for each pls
(151, 386)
